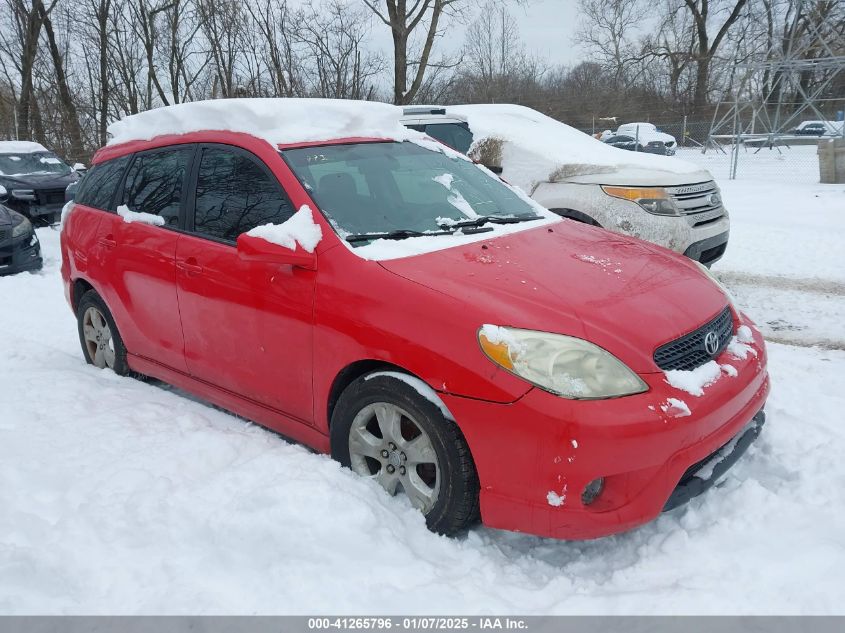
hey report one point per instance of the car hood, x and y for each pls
(37, 181)
(632, 176)
(624, 294)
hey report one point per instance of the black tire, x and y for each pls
(456, 505)
(92, 301)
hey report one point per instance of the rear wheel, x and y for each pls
(382, 428)
(101, 342)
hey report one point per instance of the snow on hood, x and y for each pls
(533, 148)
(278, 121)
(20, 147)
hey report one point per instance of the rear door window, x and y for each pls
(235, 193)
(455, 135)
(99, 184)
(155, 183)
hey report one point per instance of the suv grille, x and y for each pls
(689, 352)
(700, 203)
(50, 196)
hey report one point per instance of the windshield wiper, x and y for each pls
(492, 219)
(401, 234)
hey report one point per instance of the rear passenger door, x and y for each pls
(247, 325)
(139, 257)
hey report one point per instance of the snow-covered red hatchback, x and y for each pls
(318, 268)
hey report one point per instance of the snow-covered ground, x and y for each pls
(118, 496)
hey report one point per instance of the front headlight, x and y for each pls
(24, 227)
(23, 194)
(653, 199)
(563, 365)
(713, 278)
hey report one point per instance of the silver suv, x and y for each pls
(664, 200)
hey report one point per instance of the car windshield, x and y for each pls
(391, 187)
(32, 163)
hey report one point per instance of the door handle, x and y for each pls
(189, 266)
(107, 241)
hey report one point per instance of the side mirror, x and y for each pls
(79, 168)
(4, 194)
(256, 249)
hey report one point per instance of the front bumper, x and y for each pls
(20, 255)
(535, 456)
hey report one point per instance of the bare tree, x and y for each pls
(404, 18)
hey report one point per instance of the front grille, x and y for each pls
(4, 235)
(51, 196)
(689, 352)
(701, 203)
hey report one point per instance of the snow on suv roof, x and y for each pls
(534, 148)
(278, 121)
(21, 147)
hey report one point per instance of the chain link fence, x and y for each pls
(785, 158)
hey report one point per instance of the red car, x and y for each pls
(405, 311)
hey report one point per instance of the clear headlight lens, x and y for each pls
(713, 278)
(24, 227)
(653, 199)
(563, 365)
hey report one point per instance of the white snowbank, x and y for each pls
(278, 121)
(695, 380)
(300, 229)
(536, 148)
(420, 386)
(139, 216)
(21, 147)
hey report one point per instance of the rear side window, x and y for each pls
(236, 194)
(455, 135)
(156, 182)
(99, 184)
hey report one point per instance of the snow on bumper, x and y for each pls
(554, 445)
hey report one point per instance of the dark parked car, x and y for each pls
(35, 179)
(19, 247)
(623, 141)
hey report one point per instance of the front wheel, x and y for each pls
(384, 429)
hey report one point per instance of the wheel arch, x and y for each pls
(78, 288)
(351, 373)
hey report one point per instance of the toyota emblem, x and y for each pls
(711, 342)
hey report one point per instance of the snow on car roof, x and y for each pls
(534, 148)
(278, 121)
(20, 147)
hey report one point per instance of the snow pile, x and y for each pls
(730, 370)
(695, 380)
(278, 121)
(21, 147)
(676, 408)
(533, 148)
(139, 216)
(556, 500)
(300, 229)
(740, 350)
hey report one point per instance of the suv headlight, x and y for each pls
(23, 194)
(653, 199)
(24, 227)
(563, 365)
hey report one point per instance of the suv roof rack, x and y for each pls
(424, 110)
